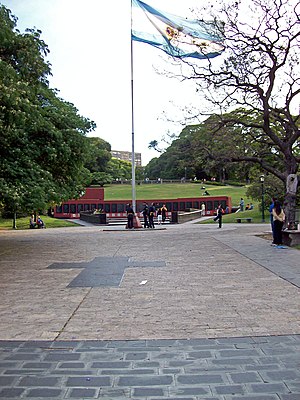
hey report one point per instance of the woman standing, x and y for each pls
(278, 220)
(164, 212)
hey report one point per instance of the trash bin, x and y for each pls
(174, 217)
(102, 219)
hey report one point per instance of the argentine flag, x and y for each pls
(177, 36)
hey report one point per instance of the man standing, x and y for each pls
(145, 213)
(151, 215)
(242, 203)
(130, 214)
(271, 215)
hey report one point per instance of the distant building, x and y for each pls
(126, 156)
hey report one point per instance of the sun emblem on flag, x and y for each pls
(178, 36)
(172, 33)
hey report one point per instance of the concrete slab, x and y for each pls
(217, 282)
(219, 321)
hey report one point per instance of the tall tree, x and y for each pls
(99, 155)
(119, 169)
(258, 74)
(97, 161)
(42, 137)
(174, 162)
(199, 151)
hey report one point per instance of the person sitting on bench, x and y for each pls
(32, 223)
(40, 222)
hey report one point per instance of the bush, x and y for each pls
(234, 183)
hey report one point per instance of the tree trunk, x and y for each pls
(290, 201)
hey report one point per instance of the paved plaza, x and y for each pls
(188, 312)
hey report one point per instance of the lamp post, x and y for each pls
(262, 180)
(15, 205)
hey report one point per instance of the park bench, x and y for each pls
(291, 237)
(239, 220)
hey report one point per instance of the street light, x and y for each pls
(15, 204)
(262, 180)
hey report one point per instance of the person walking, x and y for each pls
(130, 214)
(278, 220)
(219, 215)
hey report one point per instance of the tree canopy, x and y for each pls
(254, 88)
(42, 147)
(258, 76)
(203, 151)
(99, 155)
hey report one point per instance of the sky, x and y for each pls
(90, 55)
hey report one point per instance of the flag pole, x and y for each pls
(132, 125)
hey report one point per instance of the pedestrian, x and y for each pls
(271, 216)
(145, 213)
(219, 215)
(242, 203)
(130, 214)
(202, 209)
(151, 215)
(159, 215)
(278, 220)
(164, 212)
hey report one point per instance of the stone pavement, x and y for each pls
(190, 312)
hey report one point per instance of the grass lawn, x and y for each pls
(177, 190)
(23, 223)
(173, 191)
